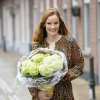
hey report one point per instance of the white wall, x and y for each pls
(22, 27)
(7, 26)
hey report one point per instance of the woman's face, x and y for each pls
(52, 25)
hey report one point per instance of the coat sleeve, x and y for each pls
(76, 61)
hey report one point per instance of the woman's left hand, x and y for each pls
(44, 95)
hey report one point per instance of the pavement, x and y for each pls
(10, 89)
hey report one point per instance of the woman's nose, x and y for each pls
(52, 26)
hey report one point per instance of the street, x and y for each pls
(10, 89)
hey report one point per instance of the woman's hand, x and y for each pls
(67, 77)
(33, 91)
(44, 95)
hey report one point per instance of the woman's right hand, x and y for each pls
(44, 95)
(33, 91)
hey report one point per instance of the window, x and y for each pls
(74, 22)
(55, 3)
(87, 34)
(36, 13)
(41, 6)
(47, 4)
(98, 21)
(74, 27)
(64, 5)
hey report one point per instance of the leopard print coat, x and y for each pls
(63, 90)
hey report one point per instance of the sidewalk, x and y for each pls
(80, 86)
(82, 91)
(9, 87)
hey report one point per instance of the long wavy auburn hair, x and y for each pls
(40, 33)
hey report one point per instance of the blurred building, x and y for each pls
(19, 18)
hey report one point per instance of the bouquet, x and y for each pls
(42, 68)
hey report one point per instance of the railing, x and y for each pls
(92, 95)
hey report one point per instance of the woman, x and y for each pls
(52, 33)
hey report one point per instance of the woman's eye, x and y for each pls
(48, 23)
(56, 23)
